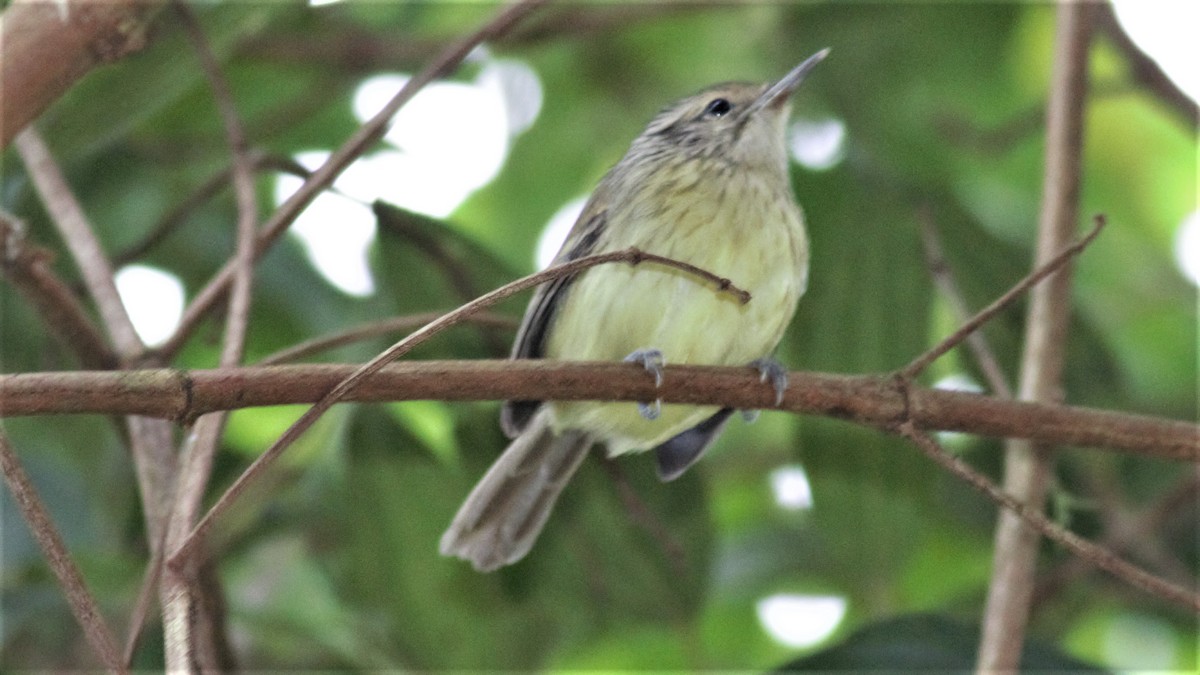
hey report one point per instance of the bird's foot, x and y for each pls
(652, 360)
(769, 369)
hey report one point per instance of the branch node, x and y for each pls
(901, 384)
(636, 256)
(1064, 256)
(186, 415)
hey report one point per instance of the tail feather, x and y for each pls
(502, 517)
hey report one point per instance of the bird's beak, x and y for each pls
(777, 94)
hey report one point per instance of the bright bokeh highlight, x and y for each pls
(1166, 30)
(154, 300)
(451, 139)
(335, 231)
(956, 440)
(1187, 247)
(959, 382)
(800, 621)
(817, 145)
(790, 487)
(556, 231)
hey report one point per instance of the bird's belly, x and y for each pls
(615, 309)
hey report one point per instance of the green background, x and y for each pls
(336, 565)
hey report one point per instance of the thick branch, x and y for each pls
(869, 400)
(1028, 467)
(45, 47)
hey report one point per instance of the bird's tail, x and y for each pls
(503, 515)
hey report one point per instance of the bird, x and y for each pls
(706, 183)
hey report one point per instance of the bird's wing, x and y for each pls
(530, 342)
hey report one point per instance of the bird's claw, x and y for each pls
(770, 369)
(650, 411)
(652, 360)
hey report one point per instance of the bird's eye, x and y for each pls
(718, 107)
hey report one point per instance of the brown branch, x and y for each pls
(1033, 517)
(374, 329)
(150, 440)
(243, 186)
(45, 47)
(79, 598)
(1122, 534)
(348, 49)
(81, 241)
(1027, 468)
(238, 316)
(870, 400)
(647, 519)
(143, 604)
(359, 142)
(177, 216)
(185, 613)
(943, 278)
(455, 268)
(1128, 534)
(27, 267)
(1054, 264)
(1146, 72)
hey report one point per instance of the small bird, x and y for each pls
(706, 183)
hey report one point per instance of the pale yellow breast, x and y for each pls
(750, 233)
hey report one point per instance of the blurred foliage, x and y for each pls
(336, 564)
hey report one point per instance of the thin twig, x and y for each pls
(358, 143)
(1096, 555)
(27, 267)
(374, 329)
(238, 316)
(631, 255)
(183, 607)
(648, 520)
(919, 364)
(81, 241)
(939, 270)
(243, 187)
(1146, 71)
(80, 599)
(150, 440)
(141, 606)
(352, 50)
(1028, 468)
(458, 270)
(171, 221)
(152, 445)
(1128, 534)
